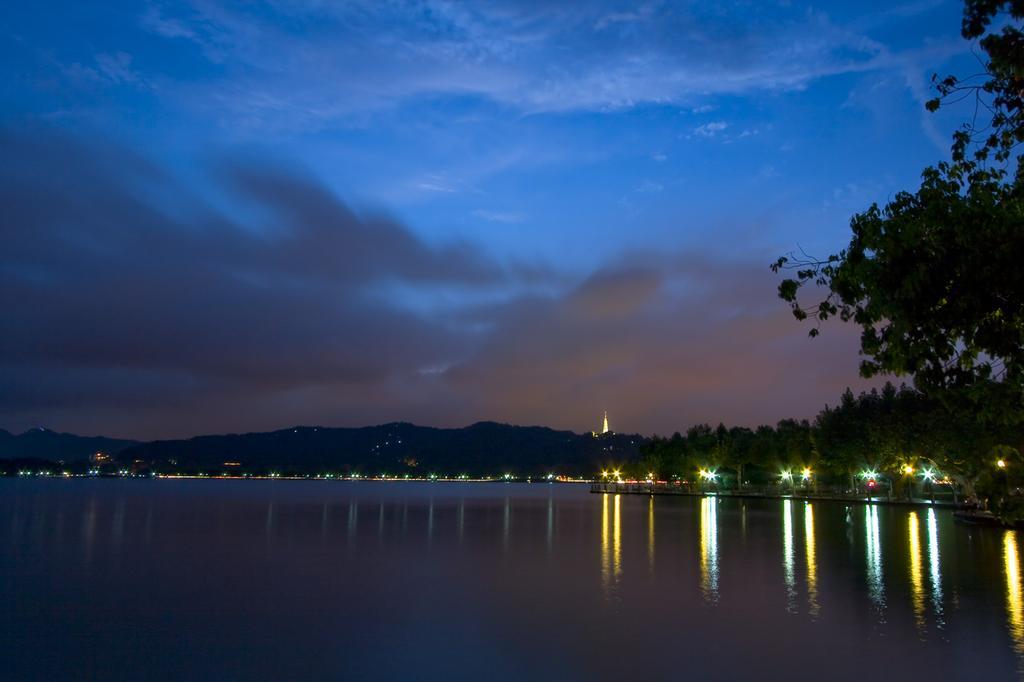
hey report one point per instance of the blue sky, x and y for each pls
(655, 155)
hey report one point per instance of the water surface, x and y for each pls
(217, 580)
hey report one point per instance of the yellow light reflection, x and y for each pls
(916, 572)
(787, 553)
(650, 533)
(1014, 605)
(709, 548)
(617, 542)
(812, 560)
(933, 561)
(605, 545)
(876, 588)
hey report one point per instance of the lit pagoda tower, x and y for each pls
(604, 428)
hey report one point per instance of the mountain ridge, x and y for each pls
(484, 448)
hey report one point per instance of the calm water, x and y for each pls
(327, 580)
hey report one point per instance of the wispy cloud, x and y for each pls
(710, 129)
(228, 325)
(535, 58)
(107, 68)
(498, 216)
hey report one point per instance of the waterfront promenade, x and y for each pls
(941, 498)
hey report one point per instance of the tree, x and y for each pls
(793, 448)
(935, 278)
(738, 452)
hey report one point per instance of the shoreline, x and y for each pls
(670, 490)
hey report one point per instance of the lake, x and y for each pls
(222, 579)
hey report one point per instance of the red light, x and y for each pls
(871, 483)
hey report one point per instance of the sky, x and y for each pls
(227, 217)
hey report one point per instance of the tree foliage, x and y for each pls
(882, 431)
(934, 278)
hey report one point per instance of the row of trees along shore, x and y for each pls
(934, 279)
(899, 436)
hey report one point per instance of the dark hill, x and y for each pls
(50, 445)
(483, 449)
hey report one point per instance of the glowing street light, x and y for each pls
(786, 475)
(929, 475)
(908, 469)
(807, 473)
(1001, 463)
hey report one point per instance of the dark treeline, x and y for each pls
(484, 449)
(896, 436)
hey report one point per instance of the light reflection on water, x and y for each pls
(606, 563)
(617, 541)
(550, 535)
(787, 554)
(812, 563)
(594, 579)
(1014, 605)
(506, 525)
(873, 553)
(650, 533)
(709, 548)
(611, 542)
(933, 566)
(916, 572)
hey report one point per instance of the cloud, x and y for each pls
(533, 57)
(114, 272)
(117, 67)
(661, 342)
(710, 129)
(107, 69)
(498, 216)
(132, 306)
(154, 21)
(432, 186)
